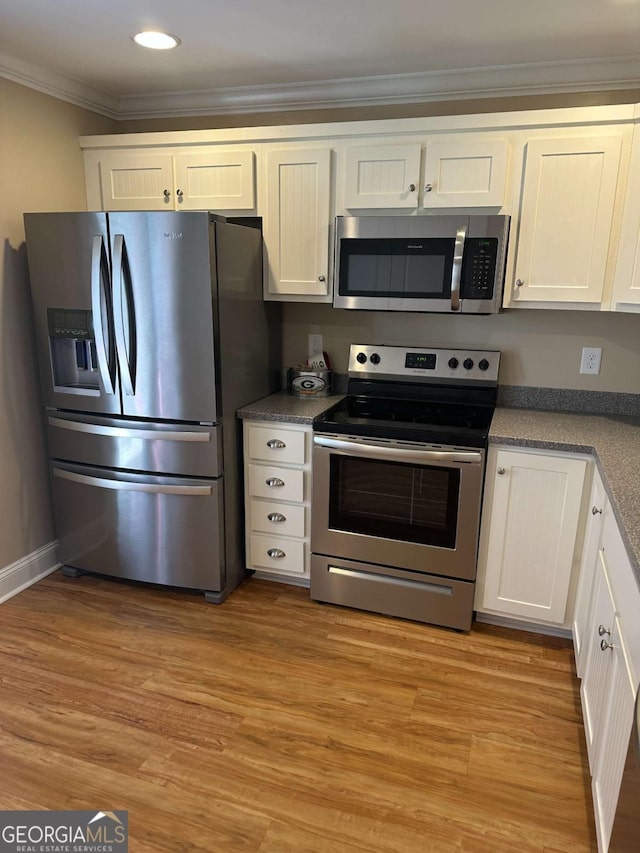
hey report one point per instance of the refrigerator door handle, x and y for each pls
(131, 486)
(98, 266)
(119, 295)
(122, 432)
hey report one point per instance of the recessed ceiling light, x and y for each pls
(156, 40)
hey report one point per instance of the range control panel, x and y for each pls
(419, 364)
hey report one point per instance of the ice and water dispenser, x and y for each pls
(74, 359)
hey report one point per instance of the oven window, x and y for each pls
(394, 500)
(407, 269)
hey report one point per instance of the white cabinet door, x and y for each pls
(626, 286)
(565, 219)
(296, 223)
(465, 174)
(136, 181)
(588, 564)
(616, 723)
(216, 180)
(382, 176)
(532, 518)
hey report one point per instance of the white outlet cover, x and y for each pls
(590, 361)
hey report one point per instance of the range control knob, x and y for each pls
(483, 364)
(467, 363)
(453, 363)
(361, 358)
(374, 358)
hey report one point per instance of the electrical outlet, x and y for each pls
(315, 345)
(590, 362)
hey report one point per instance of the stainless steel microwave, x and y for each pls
(421, 263)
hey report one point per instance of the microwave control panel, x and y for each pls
(479, 267)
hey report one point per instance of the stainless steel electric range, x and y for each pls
(398, 469)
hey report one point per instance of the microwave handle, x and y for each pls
(456, 272)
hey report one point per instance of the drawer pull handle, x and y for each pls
(602, 631)
(604, 645)
(276, 517)
(276, 553)
(274, 482)
(276, 444)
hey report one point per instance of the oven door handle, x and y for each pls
(377, 452)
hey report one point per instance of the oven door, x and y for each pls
(397, 504)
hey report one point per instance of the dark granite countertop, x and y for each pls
(614, 441)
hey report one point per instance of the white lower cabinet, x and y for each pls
(611, 651)
(277, 465)
(531, 516)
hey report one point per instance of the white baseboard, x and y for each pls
(28, 570)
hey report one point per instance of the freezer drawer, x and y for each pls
(194, 451)
(164, 530)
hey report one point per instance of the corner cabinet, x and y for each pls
(531, 515)
(277, 478)
(152, 179)
(566, 216)
(611, 652)
(296, 210)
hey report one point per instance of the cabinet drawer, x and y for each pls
(277, 554)
(276, 444)
(281, 484)
(276, 518)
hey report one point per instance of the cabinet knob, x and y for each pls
(321, 278)
(274, 482)
(602, 631)
(412, 188)
(180, 194)
(166, 194)
(501, 471)
(595, 510)
(604, 645)
(428, 188)
(275, 443)
(276, 553)
(277, 517)
(519, 282)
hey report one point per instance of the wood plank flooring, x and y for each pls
(271, 724)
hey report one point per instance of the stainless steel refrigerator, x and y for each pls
(151, 332)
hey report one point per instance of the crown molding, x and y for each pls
(470, 83)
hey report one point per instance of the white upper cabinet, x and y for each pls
(470, 173)
(215, 181)
(382, 176)
(566, 215)
(138, 180)
(456, 172)
(203, 180)
(626, 288)
(296, 213)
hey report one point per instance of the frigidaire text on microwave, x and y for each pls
(421, 263)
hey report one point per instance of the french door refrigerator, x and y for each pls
(151, 332)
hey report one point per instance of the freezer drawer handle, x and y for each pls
(276, 553)
(121, 432)
(274, 482)
(276, 444)
(126, 485)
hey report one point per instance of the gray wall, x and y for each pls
(40, 169)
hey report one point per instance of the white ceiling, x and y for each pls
(274, 54)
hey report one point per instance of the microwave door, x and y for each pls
(71, 294)
(164, 294)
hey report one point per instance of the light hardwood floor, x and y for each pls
(271, 724)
